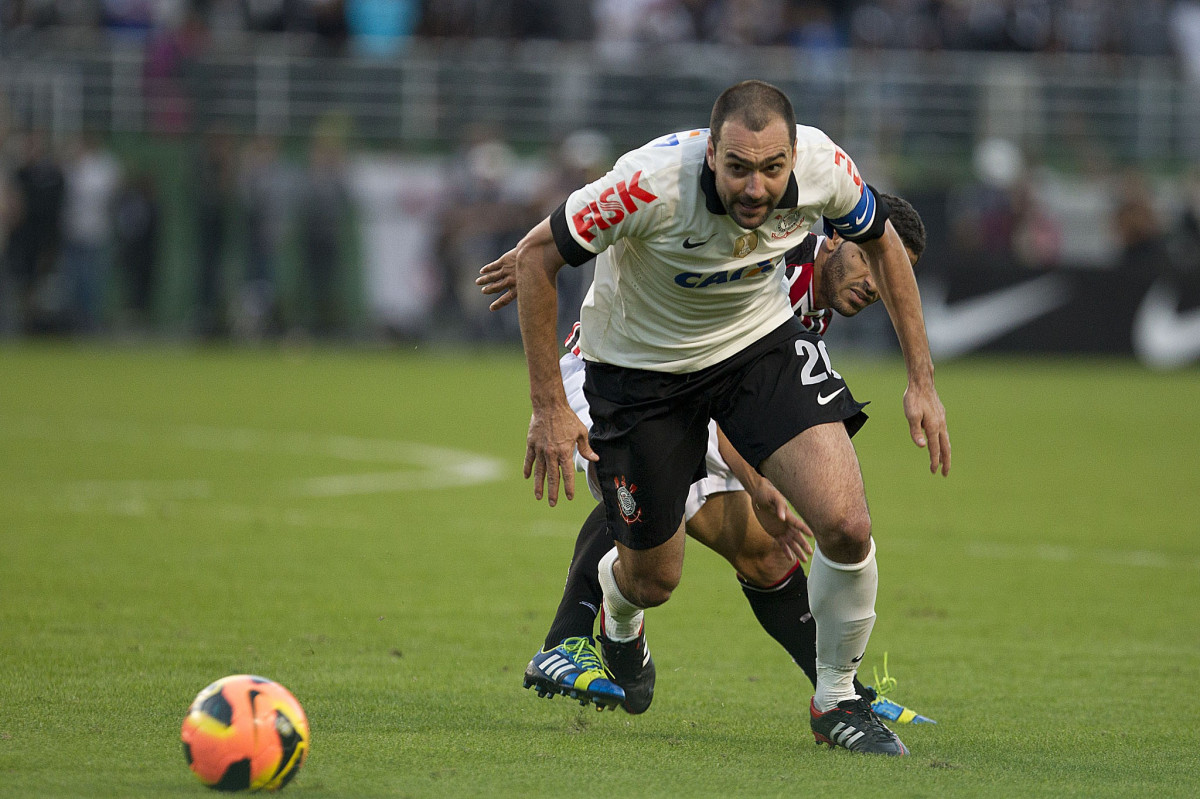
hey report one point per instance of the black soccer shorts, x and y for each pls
(650, 429)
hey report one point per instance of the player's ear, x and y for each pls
(710, 154)
(832, 240)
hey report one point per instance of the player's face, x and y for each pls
(752, 169)
(847, 285)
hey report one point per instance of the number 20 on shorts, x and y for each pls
(816, 357)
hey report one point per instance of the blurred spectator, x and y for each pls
(92, 179)
(1139, 232)
(447, 18)
(745, 22)
(983, 215)
(524, 19)
(327, 19)
(265, 186)
(34, 240)
(323, 208)
(1037, 237)
(135, 16)
(489, 217)
(583, 156)
(400, 202)
(621, 22)
(1185, 27)
(999, 222)
(213, 190)
(169, 73)
(137, 220)
(380, 27)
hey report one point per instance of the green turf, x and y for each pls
(171, 516)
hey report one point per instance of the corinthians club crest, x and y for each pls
(786, 224)
(630, 511)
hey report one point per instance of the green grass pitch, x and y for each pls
(355, 526)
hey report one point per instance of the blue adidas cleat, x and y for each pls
(886, 708)
(573, 669)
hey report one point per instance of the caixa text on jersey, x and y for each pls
(697, 280)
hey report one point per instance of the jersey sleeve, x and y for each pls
(622, 204)
(854, 210)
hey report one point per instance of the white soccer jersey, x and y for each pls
(797, 285)
(679, 285)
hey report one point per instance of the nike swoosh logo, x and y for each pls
(966, 325)
(823, 400)
(1162, 336)
(855, 660)
(688, 244)
(861, 218)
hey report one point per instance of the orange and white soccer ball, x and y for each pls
(245, 733)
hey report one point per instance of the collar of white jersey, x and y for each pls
(712, 201)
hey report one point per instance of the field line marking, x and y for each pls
(431, 467)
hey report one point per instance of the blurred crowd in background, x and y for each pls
(274, 239)
(1150, 27)
(320, 240)
(254, 237)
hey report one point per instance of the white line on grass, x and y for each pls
(431, 467)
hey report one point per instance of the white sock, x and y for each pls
(842, 599)
(622, 618)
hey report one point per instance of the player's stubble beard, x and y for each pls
(833, 280)
(733, 206)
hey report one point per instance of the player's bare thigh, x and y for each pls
(726, 524)
(819, 474)
(647, 577)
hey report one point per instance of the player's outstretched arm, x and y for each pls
(898, 288)
(770, 506)
(500, 276)
(554, 430)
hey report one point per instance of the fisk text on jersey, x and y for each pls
(608, 210)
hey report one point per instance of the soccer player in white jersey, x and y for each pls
(728, 511)
(685, 322)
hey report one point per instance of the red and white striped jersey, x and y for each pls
(798, 281)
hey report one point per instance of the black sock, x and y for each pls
(582, 595)
(782, 610)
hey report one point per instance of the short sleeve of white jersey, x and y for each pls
(623, 203)
(851, 208)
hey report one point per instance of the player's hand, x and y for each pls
(927, 425)
(780, 522)
(500, 276)
(554, 435)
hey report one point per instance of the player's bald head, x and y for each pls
(753, 104)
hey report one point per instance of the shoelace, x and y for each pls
(886, 684)
(870, 723)
(584, 654)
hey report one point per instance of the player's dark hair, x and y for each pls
(753, 103)
(907, 222)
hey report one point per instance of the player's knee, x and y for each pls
(651, 589)
(847, 535)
